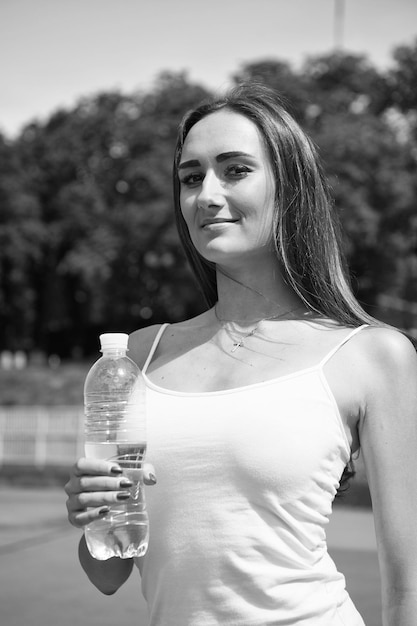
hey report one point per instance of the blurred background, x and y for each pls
(92, 92)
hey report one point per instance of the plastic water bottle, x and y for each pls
(115, 429)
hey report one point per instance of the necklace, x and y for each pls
(240, 343)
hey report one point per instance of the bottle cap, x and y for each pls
(114, 340)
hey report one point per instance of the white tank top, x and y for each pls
(246, 481)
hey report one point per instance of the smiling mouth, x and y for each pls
(215, 222)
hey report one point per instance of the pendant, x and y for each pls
(240, 343)
(237, 345)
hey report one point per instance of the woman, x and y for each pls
(256, 406)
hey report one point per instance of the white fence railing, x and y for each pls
(41, 436)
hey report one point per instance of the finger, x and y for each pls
(77, 485)
(92, 499)
(96, 467)
(79, 519)
(86, 506)
(149, 477)
(94, 491)
(85, 468)
(100, 483)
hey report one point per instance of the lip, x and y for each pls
(215, 221)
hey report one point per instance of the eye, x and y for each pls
(192, 180)
(237, 171)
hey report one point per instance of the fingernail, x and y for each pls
(125, 482)
(104, 510)
(116, 469)
(123, 496)
(152, 478)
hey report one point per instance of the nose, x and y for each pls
(211, 191)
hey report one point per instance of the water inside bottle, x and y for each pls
(124, 531)
(106, 538)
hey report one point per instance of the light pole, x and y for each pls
(338, 24)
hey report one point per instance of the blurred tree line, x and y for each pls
(87, 236)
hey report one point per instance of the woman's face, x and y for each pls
(227, 189)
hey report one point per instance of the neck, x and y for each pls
(254, 295)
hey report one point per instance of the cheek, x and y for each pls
(260, 201)
(263, 213)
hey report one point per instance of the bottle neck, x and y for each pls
(114, 352)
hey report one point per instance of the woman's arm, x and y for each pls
(388, 435)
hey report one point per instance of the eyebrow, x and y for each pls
(231, 155)
(224, 156)
(186, 164)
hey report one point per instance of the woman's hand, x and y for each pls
(94, 486)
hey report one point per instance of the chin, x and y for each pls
(223, 253)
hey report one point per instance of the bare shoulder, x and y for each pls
(179, 334)
(388, 350)
(140, 343)
(387, 368)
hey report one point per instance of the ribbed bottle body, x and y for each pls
(115, 429)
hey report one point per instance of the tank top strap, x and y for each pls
(154, 347)
(341, 343)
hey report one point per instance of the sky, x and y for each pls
(54, 52)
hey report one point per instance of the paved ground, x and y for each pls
(41, 583)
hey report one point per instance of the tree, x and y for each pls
(373, 179)
(87, 235)
(402, 78)
(340, 82)
(279, 75)
(101, 177)
(22, 234)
